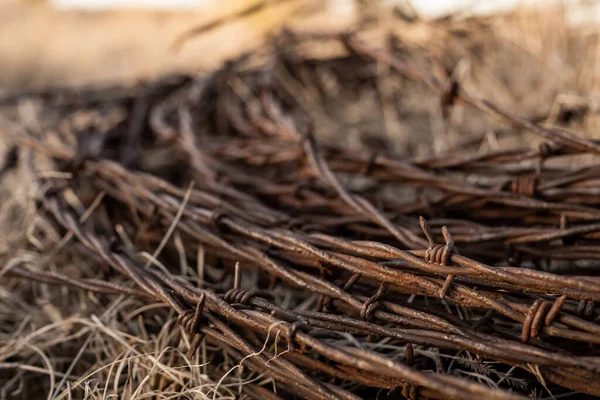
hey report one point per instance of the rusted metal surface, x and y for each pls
(266, 196)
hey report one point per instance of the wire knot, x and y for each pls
(370, 306)
(541, 312)
(410, 391)
(525, 185)
(545, 150)
(438, 253)
(239, 296)
(190, 321)
(585, 309)
(292, 330)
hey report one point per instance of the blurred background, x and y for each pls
(58, 42)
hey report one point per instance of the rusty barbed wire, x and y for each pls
(342, 260)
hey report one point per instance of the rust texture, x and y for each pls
(449, 252)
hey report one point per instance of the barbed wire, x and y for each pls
(358, 259)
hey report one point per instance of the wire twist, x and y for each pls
(541, 312)
(525, 185)
(410, 391)
(190, 321)
(239, 296)
(585, 309)
(545, 150)
(292, 330)
(370, 306)
(439, 253)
